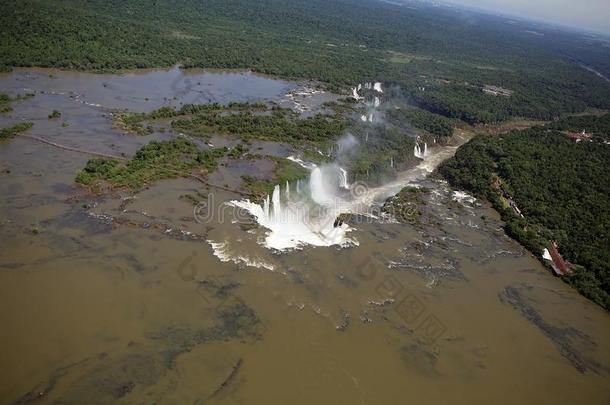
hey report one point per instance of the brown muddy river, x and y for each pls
(123, 299)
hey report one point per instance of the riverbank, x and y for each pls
(527, 165)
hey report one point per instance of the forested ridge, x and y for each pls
(562, 188)
(441, 58)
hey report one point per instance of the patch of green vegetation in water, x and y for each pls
(7, 133)
(258, 187)
(6, 100)
(195, 198)
(155, 161)
(244, 120)
(406, 205)
(285, 171)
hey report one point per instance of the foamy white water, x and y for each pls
(222, 252)
(305, 213)
(343, 183)
(420, 152)
(302, 163)
(462, 197)
(363, 203)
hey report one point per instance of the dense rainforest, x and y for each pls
(435, 124)
(561, 186)
(441, 58)
(598, 127)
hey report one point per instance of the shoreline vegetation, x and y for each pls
(155, 161)
(178, 157)
(314, 136)
(548, 186)
(11, 132)
(246, 121)
(407, 206)
(285, 171)
(440, 63)
(6, 101)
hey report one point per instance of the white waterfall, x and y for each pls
(343, 183)
(419, 152)
(306, 218)
(372, 102)
(321, 190)
(300, 221)
(266, 206)
(277, 204)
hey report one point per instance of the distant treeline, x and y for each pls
(439, 57)
(561, 187)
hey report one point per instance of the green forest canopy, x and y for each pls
(440, 57)
(562, 188)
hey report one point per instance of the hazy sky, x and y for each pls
(588, 14)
